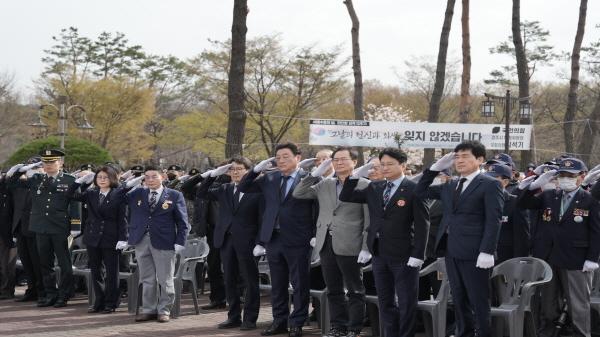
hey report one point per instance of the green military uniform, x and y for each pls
(52, 213)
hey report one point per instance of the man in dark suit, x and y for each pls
(235, 236)
(8, 251)
(571, 217)
(468, 234)
(514, 232)
(158, 230)
(287, 228)
(397, 238)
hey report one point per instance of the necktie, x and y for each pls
(283, 188)
(458, 191)
(564, 204)
(387, 193)
(153, 199)
(101, 198)
(236, 197)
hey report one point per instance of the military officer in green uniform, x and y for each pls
(52, 214)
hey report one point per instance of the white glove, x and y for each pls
(524, 184)
(485, 261)
(30, 166)
(121, 245)
(596, 168)
(263, 165)
(179, 249)
(364, 256)
(590, 265)
(313, 242)
(306, 163)
(126, 175)
(220, 170)
(363, 171)
(86, 179)
(30, 173)
(134, 182)
(591, 177)
(322, 168)
(259, 250)
(443, 163)
(414, 262)
(543, 180)
(206, 174)
(14, 169)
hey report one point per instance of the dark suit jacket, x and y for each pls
(168, 223)
(21, 200)
(242, 221)
(514, 232)
(104, 224)
(570, 243)
(296, 217)
(473, 226)
(6, 211)
(400, 230)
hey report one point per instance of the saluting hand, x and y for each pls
(363, 171)
(543, 180)
(220, 170)
(322, 168)
(443, 163)
(263, 165)
(14, 169)
(591, 177)
(30, 166)
(306, 163)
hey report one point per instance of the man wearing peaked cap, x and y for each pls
(86, 167)
(571, 218)
(52, 214)
(137, 170)
(514, 231)
(173, 173)
(193, 172)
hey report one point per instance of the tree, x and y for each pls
(358, 83)
(464, 106)
(591, 131)
(574, 82)
(14, 116)
(438, 88)
(235, 91)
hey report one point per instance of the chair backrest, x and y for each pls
(596, 284)
(510, 276)
(193, 248)
(439, 267)
(79, 257)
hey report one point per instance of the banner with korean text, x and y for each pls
(416, 135)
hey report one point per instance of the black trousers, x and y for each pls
(8, 262)
(215, 273)
(238, 261)
(470, 288)
(338, 271)
(30, 258)
(106, 288)
(49, 246)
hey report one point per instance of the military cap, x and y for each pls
(51, 155)
(193, 171)
(499, 170)
(571, 165)
(86, 167)
(34, 159)
(502, 158)
(174, 168)
(137, 168)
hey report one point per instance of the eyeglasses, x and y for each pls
(102, 177)
(237, 169)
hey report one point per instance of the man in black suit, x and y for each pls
(396, 237)
(8, 251)
(468, 234)
(287, 228)
(236, 235)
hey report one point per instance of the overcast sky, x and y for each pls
(391, 30)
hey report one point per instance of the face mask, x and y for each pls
(567, 184)
(171, 176)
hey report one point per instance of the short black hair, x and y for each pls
(395, 153)
(242, 161)
(111, 173)
(353, 153)
(289, 145)
(475, 146)
(151, 168)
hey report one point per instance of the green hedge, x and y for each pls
(77, 152)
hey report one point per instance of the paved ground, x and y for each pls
(25, 319)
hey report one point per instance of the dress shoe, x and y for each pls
(27, 297)
(162, 318)
(214, 305)
(145, 317)
(94, 310)
(353, 334)
(247, 326)
(229, 323)
(48, 302)
(275, 329)
(335, 332)
(60, 303)
(108, 310)
(295, 331)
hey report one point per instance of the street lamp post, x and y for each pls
(488, 110)
(63, 112)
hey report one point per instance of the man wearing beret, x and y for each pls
(52, 214)
(571, 218)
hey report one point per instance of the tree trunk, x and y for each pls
(358, 83)
(522, 70)
(440, 76)
(236, 122)
(465, 99)
(574, 83)
(590, 133)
